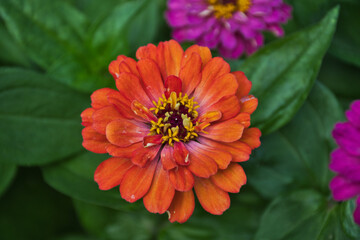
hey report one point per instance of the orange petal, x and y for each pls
(142, 112)
(230, 179)
(99, 98)
(125, 152)
(244, 84)
(169, 58)
(204, 53)
(181, 207)
(181, 178)
(114, 66)
(94, 141)
(137, 181)
(152, 140)
(129, 66)
(122, 104)
(151, 78)
(227, 131)
(143, 155)
(240, 151)
(190, 73)
(180, 154)
(148, 51)
(172, 84)
(125, 132)
(210, 92)
(244, 119)
(167, 158)
(200, 164)
(86, 117)
(161, 192)
(222, 158)
(251, 137)
(248, 104)
(212, 199)
(229, 107)
(111, 172)
(103, 116)
(210, 116)
(130, 87)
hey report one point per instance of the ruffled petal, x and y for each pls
(99, 98)
(222, 158)
(103, 116)
(204, 53)
(212, 199)
(244, 84)
(125, 152)
(181, 178)
(243, 118)
(111, 172)
(180, 154)
(229, 107)
(248, 104)
(137, 181)
(227, 131)
(86, 117)
(200, 164)
(251, 136)
(94, 141)
(190, 73)
(114, 66)
(181, 207)
(231, 179)
(210, 116)
(172, 84)
(142, 155)
(167, 158)
(170, 54)
(354, 113)
(125, 132)
(161, 192)
(347, 136)
(148, 51)
(344, 189)
(151, 78)
(142, 112)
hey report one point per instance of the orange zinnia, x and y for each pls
(179, 120)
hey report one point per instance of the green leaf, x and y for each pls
(75, 178)
(304, 214)
(283, 72)
(347, 219)
(39, 118)
(294, 156)
(7, 174)
(106, 223)
(30, 209)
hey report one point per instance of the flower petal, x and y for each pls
(148, 51)
(143, 155)
(111, 172)
(212, 199)
(181, 207)
(200, 164)
(99, 98)
(167, 158)
(130, 87)
(344, 189)
(251, 136)
(204, 53)
(94, 141)
(229, 107)
(122, 104)
(161, 192)
(137, 181)
(248, 104)
(151, 78)
(170, 54)
(227, 131)
(114, 66)
(244, 84)
(142, 112)
(190, 73)
(125, 152)
(180, 154)
(347, 136)
(231, 179)
(103, 116)
(244, 119)
(210, 116)
(172, 84)
(86, 117)
(125, 132)
(222, 158)
(129, 66)
(181, 178)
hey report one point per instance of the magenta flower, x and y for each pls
(232, 26)
(346, 159)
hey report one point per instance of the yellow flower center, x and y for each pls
(176, 118)
(226, 8)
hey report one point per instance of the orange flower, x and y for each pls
(177, 121)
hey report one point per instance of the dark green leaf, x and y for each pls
(298, 154)
(347, 220)
(7, 174)
(107, 223)
(39, 118)
(75, 178)
(283, 72)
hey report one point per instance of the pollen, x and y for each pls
(226, 8)
(177, 118)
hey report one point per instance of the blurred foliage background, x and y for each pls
(53, 54)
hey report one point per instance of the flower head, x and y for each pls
(346, 159)
(177, 121)
(232, 26)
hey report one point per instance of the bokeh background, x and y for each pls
(53, 54)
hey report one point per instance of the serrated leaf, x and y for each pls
(39, 118)
(284, 71)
